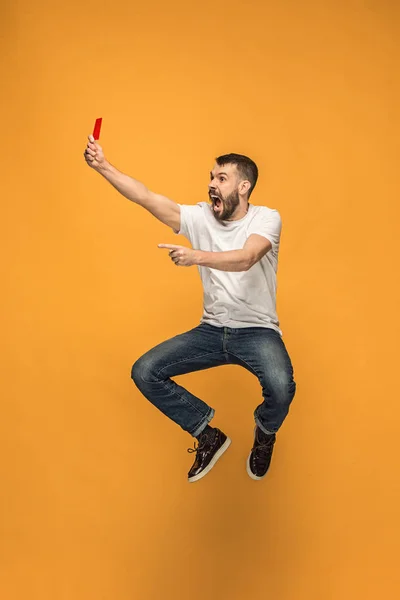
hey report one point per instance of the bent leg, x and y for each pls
(198, 349)
(262, 352)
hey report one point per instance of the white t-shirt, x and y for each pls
(235, 299)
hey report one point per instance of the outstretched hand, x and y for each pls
(93, 154)
(180, 255)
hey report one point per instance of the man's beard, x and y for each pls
(229, 205)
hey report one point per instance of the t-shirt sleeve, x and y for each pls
(269, 225)
(191, 217)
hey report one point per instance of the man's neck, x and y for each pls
(242, 212)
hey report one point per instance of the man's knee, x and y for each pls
(143, 371)
(284, 389)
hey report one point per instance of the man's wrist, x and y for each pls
(104, 168)
(198, 257)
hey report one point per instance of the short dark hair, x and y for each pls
(246, 167)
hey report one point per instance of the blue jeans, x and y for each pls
(260, 350)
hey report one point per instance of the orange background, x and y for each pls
(94, 501)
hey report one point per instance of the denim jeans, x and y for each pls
(260, 350)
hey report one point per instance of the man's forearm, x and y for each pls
(127, 186)
(231, 260)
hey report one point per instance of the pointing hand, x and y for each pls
(180, 255)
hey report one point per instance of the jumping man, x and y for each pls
(235, 247)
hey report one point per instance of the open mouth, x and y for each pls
(217, 202)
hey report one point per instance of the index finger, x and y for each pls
(171, 246)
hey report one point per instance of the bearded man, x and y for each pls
(235, 246)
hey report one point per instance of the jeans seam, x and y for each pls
(185, 360)
(204, 420)
(245, 362)
(288, 364)
(177, 393)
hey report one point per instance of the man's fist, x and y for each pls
(180, 255)
(94, 154)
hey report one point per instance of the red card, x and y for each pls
(96, 130)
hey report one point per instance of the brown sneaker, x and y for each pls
(210, 448)
(260, 456)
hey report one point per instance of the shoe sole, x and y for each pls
(214, 459)
(250, 472)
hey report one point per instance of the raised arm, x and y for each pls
(165, 210)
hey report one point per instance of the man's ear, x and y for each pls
(244, 186)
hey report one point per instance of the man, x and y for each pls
(235, 246)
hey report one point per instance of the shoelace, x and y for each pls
(199, 446)
(264, 446)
